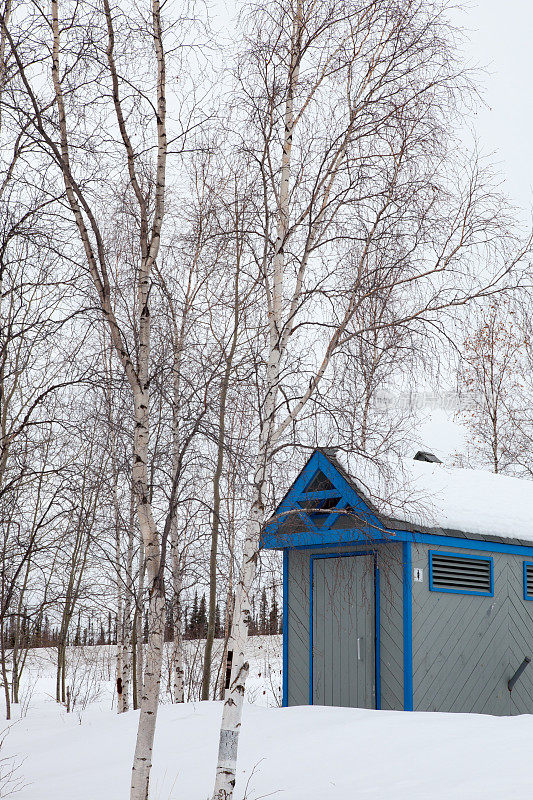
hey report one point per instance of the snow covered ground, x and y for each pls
(291, 754)
(297, 754)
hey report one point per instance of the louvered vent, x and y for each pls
(529, 580)
(462, 574)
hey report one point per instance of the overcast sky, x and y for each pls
(500, 38)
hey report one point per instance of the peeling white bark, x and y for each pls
(233, 705)
(127, 620)
(142, 761)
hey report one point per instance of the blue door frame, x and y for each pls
(407, 624)
(377, 659)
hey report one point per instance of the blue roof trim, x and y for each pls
(272, 539)
(473, 544)
(372, 529)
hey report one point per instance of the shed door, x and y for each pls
(344, 644)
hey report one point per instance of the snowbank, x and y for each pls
(305, 753)
(297, 754)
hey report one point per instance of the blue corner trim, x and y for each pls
(526, 565)
(377, 619)
(433, 588)
(285, 673)
(377, 656)
(311, 631)
(407, 629)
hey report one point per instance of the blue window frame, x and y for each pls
(528, 580)
(464, 584)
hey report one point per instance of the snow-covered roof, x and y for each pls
(450, 498)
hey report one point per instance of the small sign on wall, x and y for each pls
(418, 575)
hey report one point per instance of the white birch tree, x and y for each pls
(345, 108)
(89, 63)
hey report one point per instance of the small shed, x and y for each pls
(411, 590)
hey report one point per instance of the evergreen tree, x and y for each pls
(169, 623)
(77, 637)
(145, 630)
(252, 627)
(218, 623)
(274, 614)
(263, 614)
(202, 618)
(37, 633)
(24, 625)
(47, 636)
(193, 619)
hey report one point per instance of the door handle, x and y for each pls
(359, 649)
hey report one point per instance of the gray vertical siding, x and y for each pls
(391, 627)
(391, 631)
(520, 637)
(298, 628)
(465, 647)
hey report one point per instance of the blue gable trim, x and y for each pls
(273, 539)
(371, 530)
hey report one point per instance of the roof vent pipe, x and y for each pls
(422, 455)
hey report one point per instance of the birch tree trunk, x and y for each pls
(3, 665)
(178, 692)
(227, 617)
(233, 704)
(138, 376)
(178, 688)
(236, 655)
(120, 603)
(215, 525)
(127, 655)
(142, 761)
(139, 642)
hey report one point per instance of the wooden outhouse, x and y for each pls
(415, 597)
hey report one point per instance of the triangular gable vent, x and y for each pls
(320, 484)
